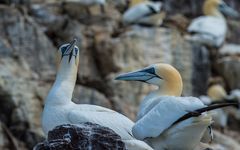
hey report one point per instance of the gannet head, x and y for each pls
(163, 75)
(216, 92)
(216, 7)
(68, 55)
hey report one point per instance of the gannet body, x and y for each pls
(161, 108)
(59, 109)
(211, 29)
(142, 13)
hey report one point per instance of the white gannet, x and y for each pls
(59, 109)
(211, 29)
(162, 108)
(143, 12)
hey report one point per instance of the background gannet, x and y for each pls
(59, 109)
(161, 108)
(143, 12)
(211, 29)
(217, 94)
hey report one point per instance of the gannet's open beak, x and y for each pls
(70, 49)
(143, 75)
(224, 8)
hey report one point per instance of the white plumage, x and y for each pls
(59, 109)
(208, 30)
(163, 114)
(140, 12)
(158, 112)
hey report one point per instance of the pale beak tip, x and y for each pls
(118, 78)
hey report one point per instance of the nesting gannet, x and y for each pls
(211, 29)
(59, 109)
(144, 12)
(157, 119)
(215, 94)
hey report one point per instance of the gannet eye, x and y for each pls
(63, 48)
(150, 70)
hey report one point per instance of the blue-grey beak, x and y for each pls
(225, 9)
(141, 75)
(70, 47)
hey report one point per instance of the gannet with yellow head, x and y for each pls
(211, 29)
(158, 118)
(217, 93)
(59, 108)
(143, 12)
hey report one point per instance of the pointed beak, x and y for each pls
(225, 9)
(70, 47)
(141, 75)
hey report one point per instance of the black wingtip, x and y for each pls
(198, 112)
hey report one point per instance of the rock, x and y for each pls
(25, 39)
(83, 136)
(4, 142)
(20, 107)
(229, 58)
(84, 95)
(201, 69)
(226, 142)
(234, 30)
(48, 16)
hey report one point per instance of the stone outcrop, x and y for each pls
(228, 65)
(85, 136)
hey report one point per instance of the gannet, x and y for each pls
(211, 29)
(144, 12)
(215, 94)
(162, 108)
(59, 109)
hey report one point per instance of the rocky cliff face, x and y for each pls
(30, 34)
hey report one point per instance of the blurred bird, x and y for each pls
(164, 119)
(88, 3)
(144, 12)
(217, 93)
(59, 108)
(211, 29)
